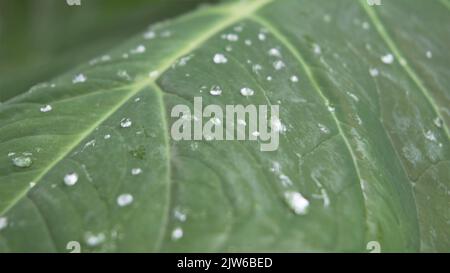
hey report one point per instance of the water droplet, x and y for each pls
(317, 50)
(3, 222)
(179, 215)
(126, 123)
(93, 240)
(220, 59)
(125, 199)
(46, 108)
(215, 90)
(80, 78)
(138, 50)
(262, 36)
(256, 68)
(216, 121)
(32, 184)
(277, 126)
(296, 202)
(275, 52)
(71, 179)
(246, 92)
(153, 74)
(22, 161)
(124, 75)
(438, 122)
(365, 25)
(294, 78)
(374, 72)
(242, 122)
(177, 233)
(323, 128)
(269, 78)
(248, 42)
(430, 135)
(232, 37)
(278, 65)
(229, 48)
(429, 54)
(387, 59)
(136, 171)
(149, 35)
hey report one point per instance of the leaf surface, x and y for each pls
(366, 140)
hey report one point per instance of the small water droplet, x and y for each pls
(269, 78)
(124, 75)
(22, 161)
(46, 108)
(177, 233)
(232, 37)
(262, 36)
(429, 54)
(275, 52)
(374, 72)
(138, 50)
(430, 135)
(179, 215)
(126, 123)
(93, 240)
(153, 74)
(3, 222)
(149, 35)
(365, 25)
(125, 199)
(317, 50)
(215, 90)
(248, 42)
(220, 59)
(277, 125)
(438, 122)
(107, 136)
(80, 78)
(294, 78)
(136, 171)
(323, 128)
(246, 92)
(387, 59)
(278, 65)
(297, 202)
(216, 121)
(71, 179)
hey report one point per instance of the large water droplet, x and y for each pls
(296, 202)
(220, 59)
(124, 199)
(80, 78)
(177, 233)
(247, 92)
(136, 171)
(71, 179)
(215, 90)
(46, 108)
(22, 161)
(387, 59)
(126, 123)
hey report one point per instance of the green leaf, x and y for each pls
(366, 140)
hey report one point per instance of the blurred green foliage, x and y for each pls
(40, 39)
